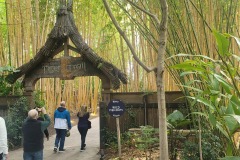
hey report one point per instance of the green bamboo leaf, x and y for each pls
(220, 128)
(183, 66)
(203, 101)
(227, 87)
(232, 122)
(230, 158)
(192, 81)
(187, 73)
(192, 88)
(190, 55)
(222, 43)
(200, 114)
(214, 92)
(236, 117)
(229, 109)
(234, 101)
(188, 67)
(212, 119)
(229, 149)
(236, 110)
(214, 84)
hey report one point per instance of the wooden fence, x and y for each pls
(142, 109)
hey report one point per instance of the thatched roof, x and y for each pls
(65, 28)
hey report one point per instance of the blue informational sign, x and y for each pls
(116, 108)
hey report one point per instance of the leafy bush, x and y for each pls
(16, 115)
(110, 138)
(147, 138)
(211, 86)
(211, 148)
(39, 102)
(177, 120)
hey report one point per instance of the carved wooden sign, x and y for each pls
(65, 68)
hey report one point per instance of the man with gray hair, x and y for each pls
(33, 135)
(62, 122)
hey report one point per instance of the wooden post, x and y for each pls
(66, 51)
(30, 97)
(102, 107)
(29, 88)
(119, 138)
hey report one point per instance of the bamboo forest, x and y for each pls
(172, 64)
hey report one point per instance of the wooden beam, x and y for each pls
(73, 49)
(66, 51)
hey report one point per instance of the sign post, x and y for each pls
(116, 108)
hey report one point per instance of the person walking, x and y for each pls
(61, 124)
(3, 140)
(32, 130)
(83, 125)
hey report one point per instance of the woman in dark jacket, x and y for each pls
(83, 117)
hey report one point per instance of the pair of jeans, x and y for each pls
(83, 133)
(60, 138)
(33, 155)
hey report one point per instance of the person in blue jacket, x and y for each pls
(83, 125)
(62, 123)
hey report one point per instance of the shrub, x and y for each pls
(16, 115)
(211, 148)
(6, 88)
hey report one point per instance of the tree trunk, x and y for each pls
(163, 143)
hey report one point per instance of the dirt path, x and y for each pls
(72, 146)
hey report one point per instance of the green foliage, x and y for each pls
(6, 88)
(132, 117)
(110, 138)
(147, 137)
(16, 115)
(211, 148)
(190, 151)
(177, 120)
(39, 102)
(230, 158)
(214, 89)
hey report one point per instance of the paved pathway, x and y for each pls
(72, 146)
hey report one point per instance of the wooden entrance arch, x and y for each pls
(43, 65)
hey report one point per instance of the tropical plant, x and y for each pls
(16, 115)
(39, 102)
(215, 95)
(211, 146)
(146, 140)
(176, 120)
